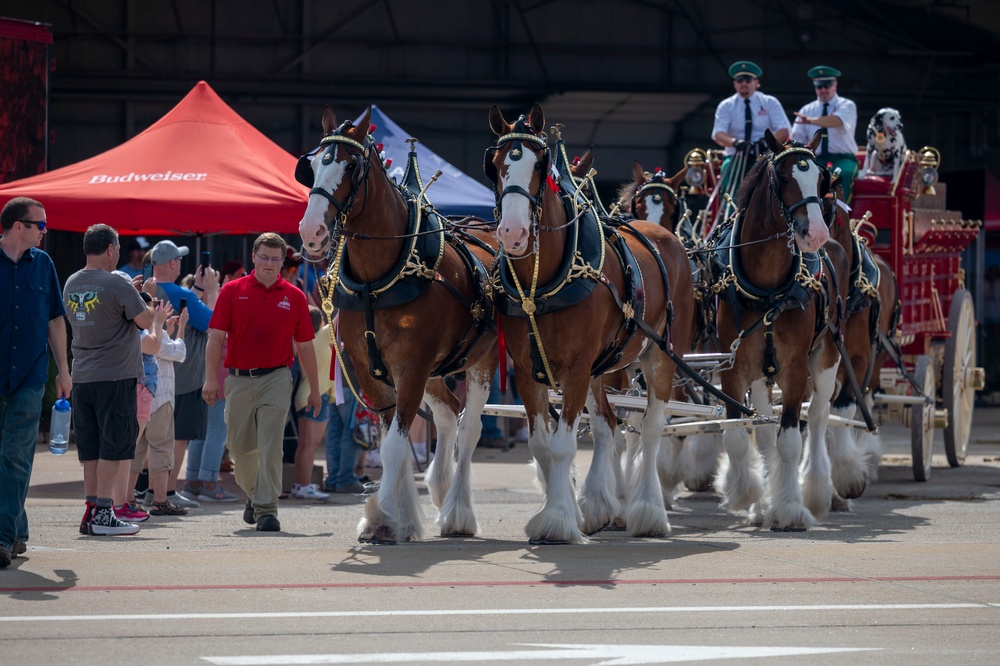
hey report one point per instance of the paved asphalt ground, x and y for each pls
(911, 575)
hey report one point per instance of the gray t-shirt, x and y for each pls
(100, 307)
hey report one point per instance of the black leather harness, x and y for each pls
(425, 240)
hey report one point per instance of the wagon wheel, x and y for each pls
(922, 420)
(958, 387)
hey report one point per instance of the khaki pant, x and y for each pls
(256, 411)
(156, 440)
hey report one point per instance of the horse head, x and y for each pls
(798, 185)
(518, 166)
(333, 172)
(654, 195)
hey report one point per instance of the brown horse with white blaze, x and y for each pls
(782, 313)
(571, 313)
(413, 305)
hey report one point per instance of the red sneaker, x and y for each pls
(88, 515)
(131, 513)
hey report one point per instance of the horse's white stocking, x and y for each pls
(740, 481)
(457, 515)
(560, 518)
(598, 497)
(633, 449)
(645, 514)
(395, 503)
(621, 487)
(700, 459)
(817, 487)
(846, 459)
(541, 457)
(442, 468)
(786, 510)
(670, 468)
(870, 445)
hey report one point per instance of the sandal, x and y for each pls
(166, 508)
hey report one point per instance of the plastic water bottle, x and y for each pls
(59, 426)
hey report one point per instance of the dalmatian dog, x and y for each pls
(886, 145)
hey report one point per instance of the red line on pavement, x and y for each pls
(508, 583)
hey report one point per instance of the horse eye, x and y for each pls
(352, 166)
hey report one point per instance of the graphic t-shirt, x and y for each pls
(100, 307)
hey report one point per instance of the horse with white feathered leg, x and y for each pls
(580, 299)
(781, 286)
(415, 305)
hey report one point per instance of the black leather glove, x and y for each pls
(741, 145)
(762, 148)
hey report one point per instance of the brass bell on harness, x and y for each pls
(929, 160)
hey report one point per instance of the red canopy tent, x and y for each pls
(200, 169)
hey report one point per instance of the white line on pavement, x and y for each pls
(502, 611)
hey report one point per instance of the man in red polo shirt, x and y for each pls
(262, 315)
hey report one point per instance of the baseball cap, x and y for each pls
(165, 251)
(138, 243)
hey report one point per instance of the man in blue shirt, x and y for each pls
(32, 322)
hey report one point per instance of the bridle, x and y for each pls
(326, 152)
(521, 133)
(658, 181)
(786, 211)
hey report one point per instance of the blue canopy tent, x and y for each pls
(453, 193)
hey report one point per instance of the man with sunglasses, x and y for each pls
(740, 121)
(836, 117)
(33, 322)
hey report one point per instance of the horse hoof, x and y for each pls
(855, 492)
(616, 525)
(699, 485)
(788, 528)
(651, 535)
(457, 535)
(605, 526)
(380, 536)
(542, 541)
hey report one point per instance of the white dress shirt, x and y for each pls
(765, 110)
(839, 139)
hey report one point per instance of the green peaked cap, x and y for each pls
(823, 72)
(742, 67)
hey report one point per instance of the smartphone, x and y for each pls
(183, 305)
(206, 261)
(147, 272)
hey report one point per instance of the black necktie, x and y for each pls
(749, 120)
(824, 146)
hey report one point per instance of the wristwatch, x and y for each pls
(145, 297)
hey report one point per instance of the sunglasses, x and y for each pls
(35, 223)
(822, 85)
(744, 78)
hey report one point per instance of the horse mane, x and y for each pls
(625, 194)
(749, 184)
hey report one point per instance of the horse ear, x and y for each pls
(537, 118)
(772, 143)
(582, 168)
(361, 129)
(638, 173)
(814, 143)
(497, 122)
(329, 121)
(678, 178)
